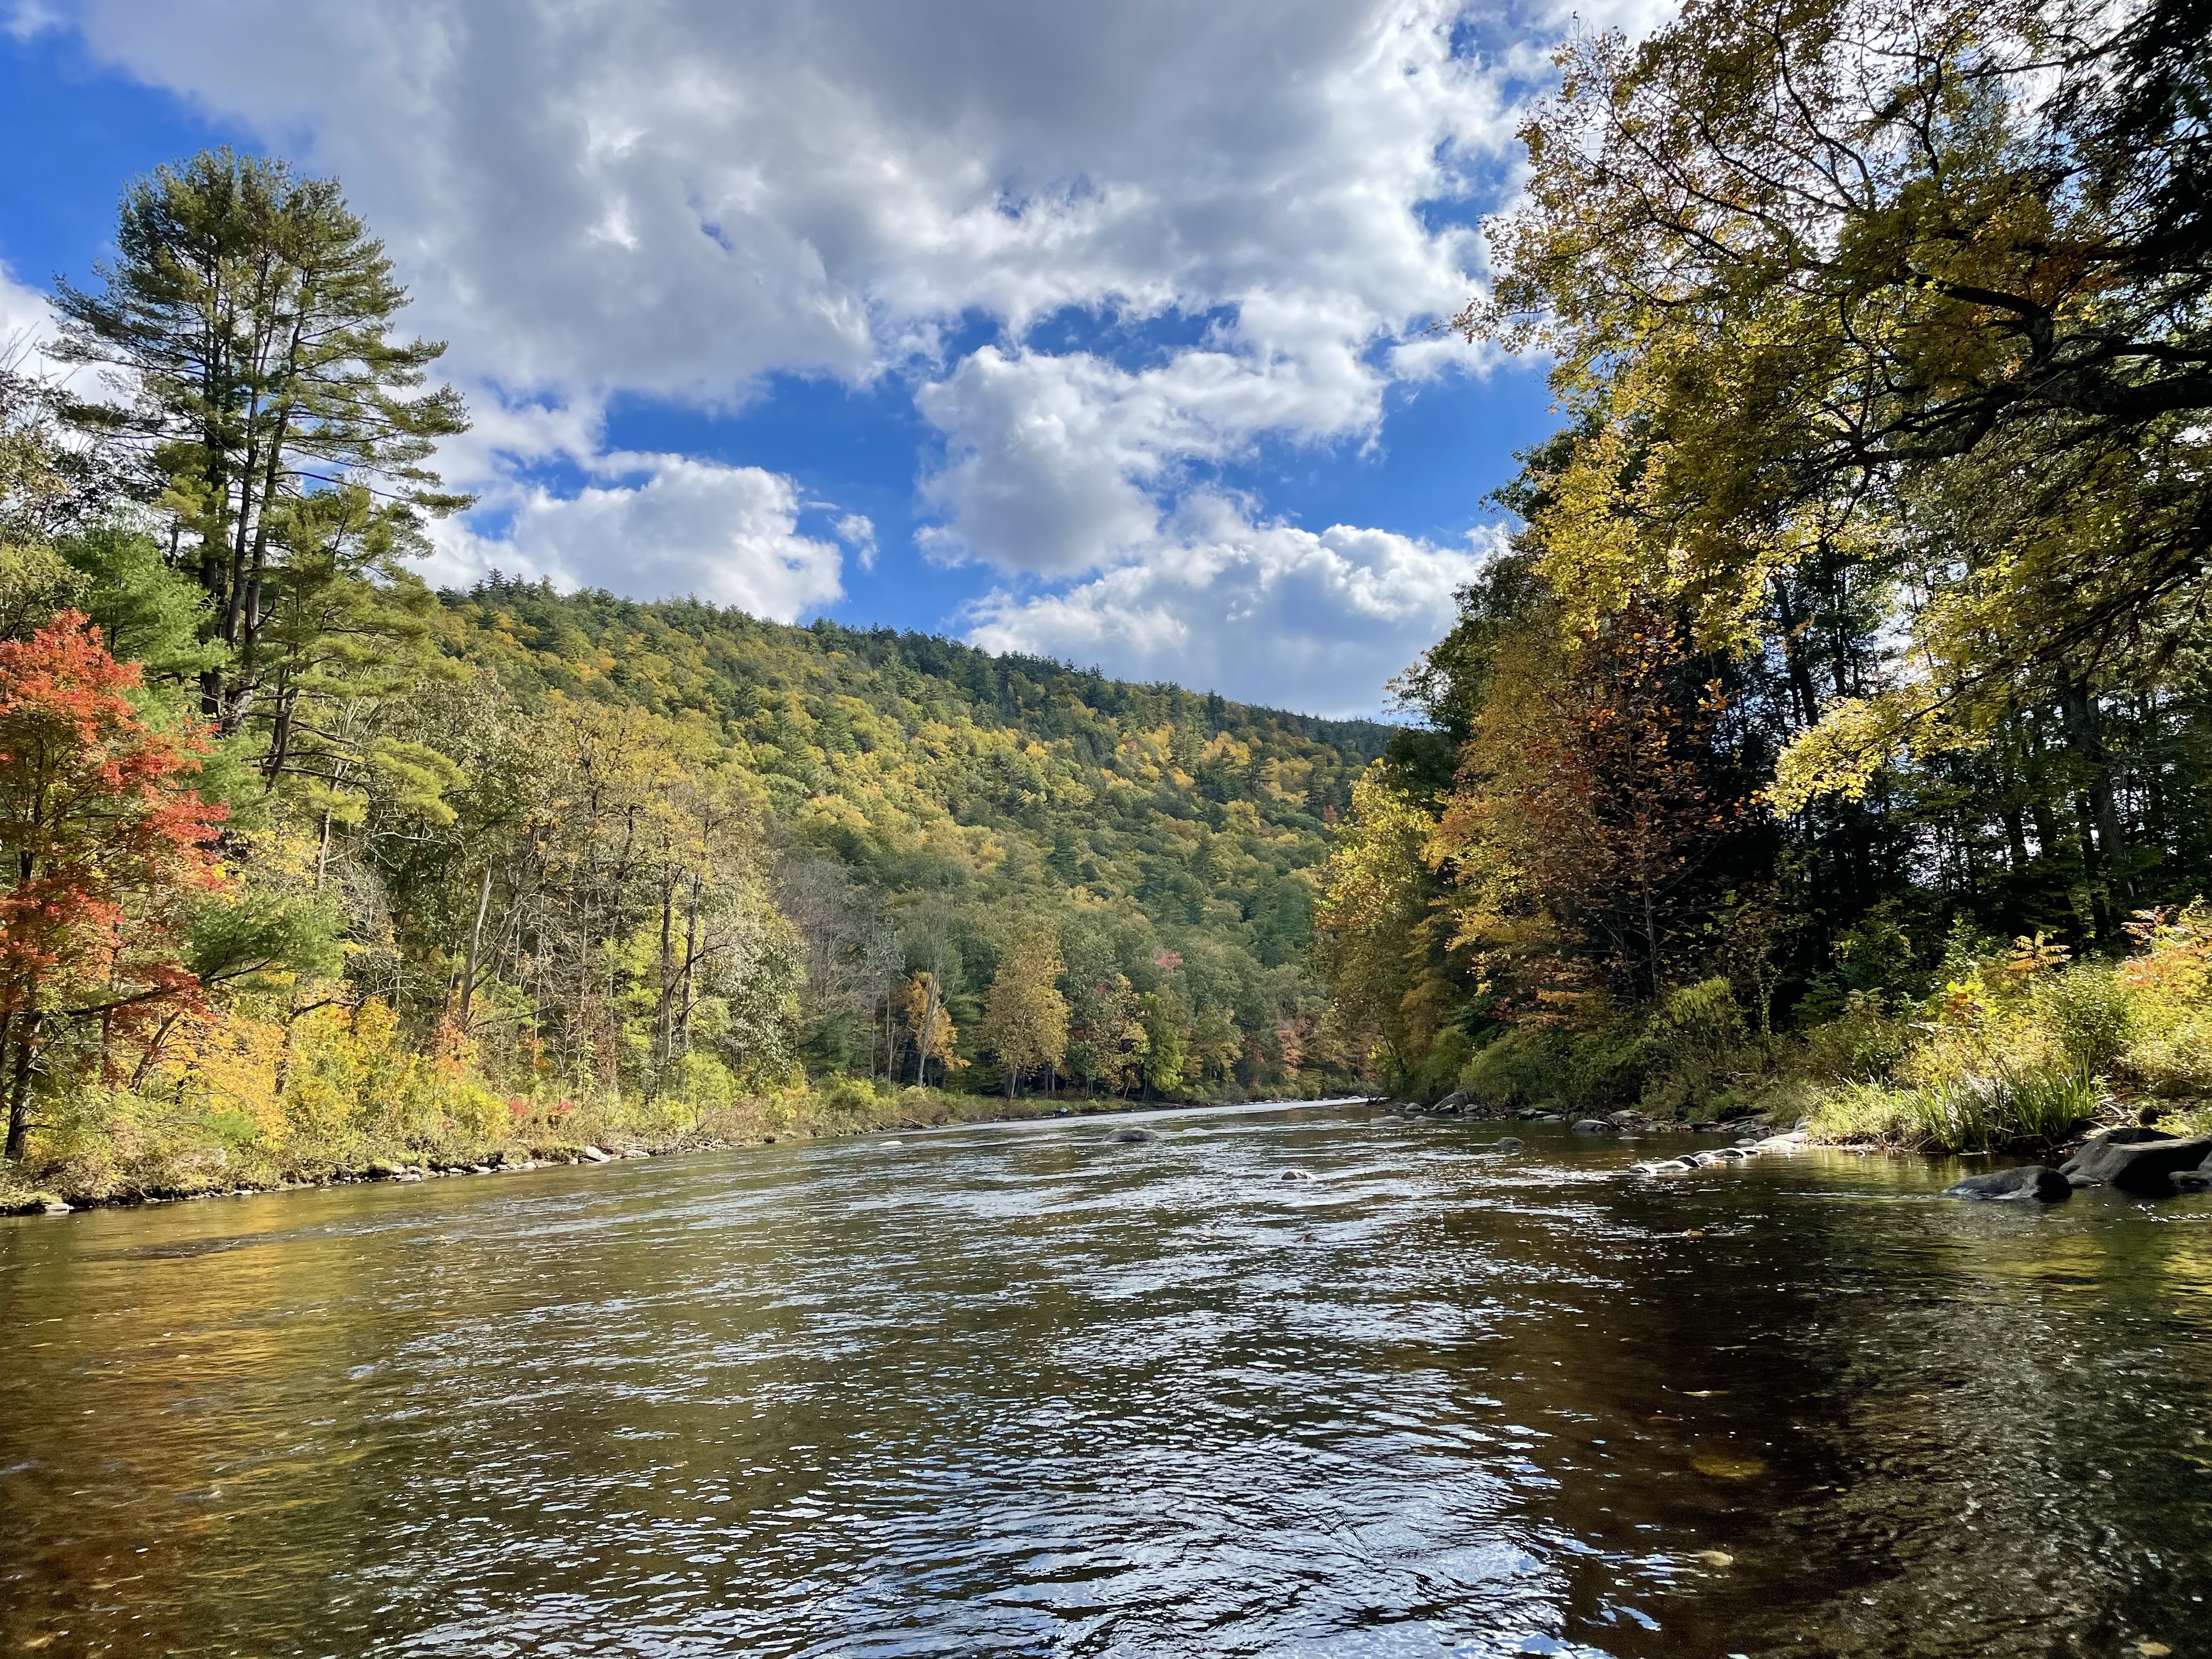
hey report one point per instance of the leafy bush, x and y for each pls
(2086, 1009)
(1698, 1051)
(1540, 1066)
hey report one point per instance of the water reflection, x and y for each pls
(1012, 1390)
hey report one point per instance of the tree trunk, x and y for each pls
(476, 941)
(18, 1088)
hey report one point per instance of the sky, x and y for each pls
(1100, 332)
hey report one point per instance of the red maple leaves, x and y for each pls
(102, 833)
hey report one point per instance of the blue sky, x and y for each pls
(1096, 332)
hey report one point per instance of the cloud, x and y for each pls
(27, 322)
(1056, 464)
(858, 531)
(672, 525)
(1268, 612)
(677, 202)
(679, 198)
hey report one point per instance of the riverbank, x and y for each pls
(156, 1173)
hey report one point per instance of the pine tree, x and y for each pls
(247, 325)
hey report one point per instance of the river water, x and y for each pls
(1013, 1390)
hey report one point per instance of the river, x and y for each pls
(1012, 1390)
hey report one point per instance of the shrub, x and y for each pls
(2087, 1011)
(1541, 1065)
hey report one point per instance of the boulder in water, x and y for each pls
(2026, 1183)
(1593, 1125)
(1296, 1175)
(1511, 1144)
(1547, 1117)
(2130, 1134)
(2146, 1168)
(1130, 1138)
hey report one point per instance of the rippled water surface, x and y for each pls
(1012, 1390)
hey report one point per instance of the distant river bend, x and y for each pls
(1014, 1390)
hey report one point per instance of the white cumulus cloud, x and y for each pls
(671, 526)
(1268, 612)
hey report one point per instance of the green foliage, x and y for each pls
(2035, 1106)
(148, 613)
(1594, 1069)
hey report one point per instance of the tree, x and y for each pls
(1167, 1040)
(1599, 781)
(104, 841)
(246, 328)
(1806, 268)
(922, 1003)
(1108, 1042)
(1026, 1016)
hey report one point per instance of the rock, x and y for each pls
(1666, 1166)
(2192, 1181)
(1130, 1138)
(55, 1206)
(2129, 1135)
(593, 1155)
(1511, 1144)
(2030, 1183)
(1547, 1117)
(1457, 1099)
(2144, 1167)
(1593, 1125)
(1296, 1175)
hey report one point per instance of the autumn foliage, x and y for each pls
(104, 837)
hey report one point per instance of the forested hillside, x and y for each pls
(311, 865)
(924, 802)
(1834, 737)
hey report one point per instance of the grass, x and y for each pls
(2039, 1106)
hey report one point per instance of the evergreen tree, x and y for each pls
(275, 420)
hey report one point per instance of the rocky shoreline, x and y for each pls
(2131, 1157)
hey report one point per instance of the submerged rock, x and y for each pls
(1593, 1125)
(1511, 1144)
(1130, 1138)
(1296, 1175)
(1664, 1166)
(2146, 1168)
(1547, 1117)
(2026, 1183)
